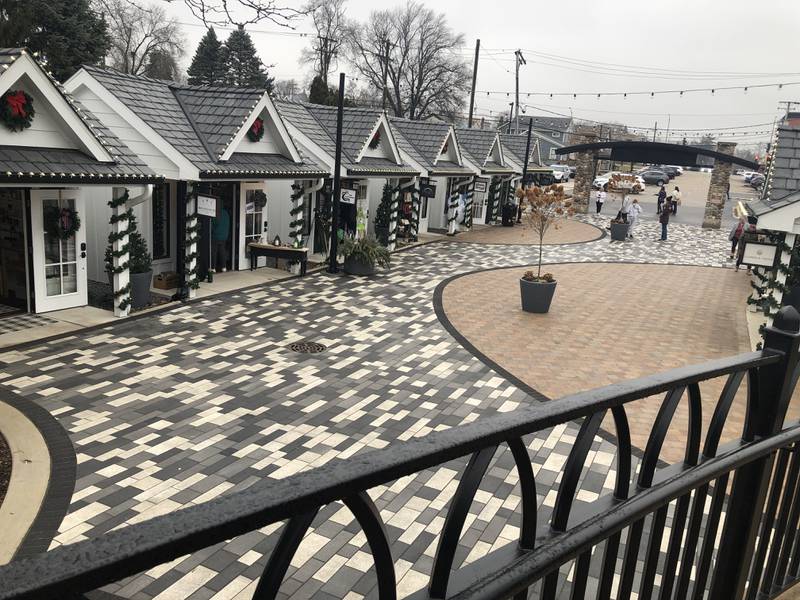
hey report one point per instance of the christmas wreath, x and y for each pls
(376, 139)
(444, 148)
(259, 199)
(16, 110)
(256, 131)
(62, 223)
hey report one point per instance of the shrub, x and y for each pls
(366, 250)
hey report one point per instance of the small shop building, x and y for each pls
(370, 160)
(536, 173)
(483, 152)
(58, 166)
(223, 151)
(433, 148)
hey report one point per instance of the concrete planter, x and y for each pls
(140, 289)
(536, 295)
(619, 231)
(353, 266)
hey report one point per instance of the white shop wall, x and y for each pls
(279, 203)
(374, 195)
(436, 205)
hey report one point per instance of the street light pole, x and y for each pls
(333, 266)
(474, 80)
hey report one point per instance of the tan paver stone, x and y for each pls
(608, 323)
(568, 232)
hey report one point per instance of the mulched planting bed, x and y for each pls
(5, 467)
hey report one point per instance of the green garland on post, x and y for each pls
(298, 218)
(494, 198)
(192, 237)
(122, 296)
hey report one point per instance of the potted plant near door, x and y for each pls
(140, 265)
(542, 208)
(363, 256)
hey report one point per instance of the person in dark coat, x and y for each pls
(664, 220)
(662, 196)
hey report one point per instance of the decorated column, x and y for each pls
(117, 256)
(394, 209)
(468, 205)
(192, 237)
(494, 197)
(452, 207)
(718, 189)
(297, 213)
(415, 209)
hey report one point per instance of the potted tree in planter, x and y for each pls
(623, 185)
(140, 265)
(383, 216)
(542, 208)
(363, 256)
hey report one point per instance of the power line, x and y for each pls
(681, 92)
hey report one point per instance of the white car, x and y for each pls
(602, 180)
(561, 173)
(748, 175)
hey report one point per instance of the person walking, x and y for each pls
(626, 207)
(662, 197)
(600, 198)
(633, 216)
(675, 200)
(220, 230)
(663, 218)
(735, 235)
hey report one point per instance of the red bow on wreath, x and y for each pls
(258, 125)
(17, 102)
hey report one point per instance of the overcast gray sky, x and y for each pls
(704, 36)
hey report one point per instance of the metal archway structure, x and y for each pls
(655, 153)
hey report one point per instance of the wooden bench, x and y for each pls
(285, 252)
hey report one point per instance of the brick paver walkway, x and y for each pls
(568, 232)
(177, 408)
(610, 322)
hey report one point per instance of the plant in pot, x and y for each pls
(621, 184)
(363, 256)
(140, 265)
(542, 208)
(383, 216)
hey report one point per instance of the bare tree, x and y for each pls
(141, 37)
(330, 23)
(418, 53)
(242, 12)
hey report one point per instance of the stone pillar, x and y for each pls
(584, 173)
(718, 190)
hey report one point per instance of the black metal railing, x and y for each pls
(745, 493)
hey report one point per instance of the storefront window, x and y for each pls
(255, 204)
(61, 274)
(161, 224)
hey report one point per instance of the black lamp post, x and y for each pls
(333, 266)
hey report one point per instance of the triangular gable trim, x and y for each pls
(265, 102)
(450, 137)
(501, 154)
(382, 120)
(68, 112)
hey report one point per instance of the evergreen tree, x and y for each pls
(319, 92)
(243, 68)
(66, 33)
(162, 65)
(208, 64)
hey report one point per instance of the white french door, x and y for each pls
(252, 219)
(59, 265)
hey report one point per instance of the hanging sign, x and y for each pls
(480, 186)
(427, 190)
(760, 254)
(348, 196)
(207, 206)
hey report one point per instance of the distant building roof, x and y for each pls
(783, 178)
(561, 124)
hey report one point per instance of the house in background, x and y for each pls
(371, 159)
(433, 148)
(227, 144)
(483, 152)
(554, 128)
(55, 174)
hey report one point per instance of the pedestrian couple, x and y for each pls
(629, 213)
(669, 202)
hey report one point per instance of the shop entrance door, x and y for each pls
(59, 265)
(13, 252)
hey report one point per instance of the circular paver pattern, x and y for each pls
(568, 231)
(608, 323)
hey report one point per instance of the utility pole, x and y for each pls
(520, 60)
(655, 129)
(527, 154)
(666, 135)
(474, 81)
(510, 116)
(333, 266)
(385, 71)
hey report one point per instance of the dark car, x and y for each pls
(653, 176)
(671, 171)
(572, 171)
(756, 181)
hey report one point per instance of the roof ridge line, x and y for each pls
(193, 125)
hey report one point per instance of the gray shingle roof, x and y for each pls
(783, 179)
(48, 164)
(296, 114)
(476, 143)
(544, 122)
(357, 126)
(514, 144)
(425, 137)
(378, 166)
(199, 122)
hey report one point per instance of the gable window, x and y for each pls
(161, 224)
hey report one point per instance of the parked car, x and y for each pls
(572, 171)
(672, 172)
(748, 175)
(654, 176)
(757, 180)
(561, 172)
(601, 180)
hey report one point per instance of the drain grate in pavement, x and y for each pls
(307, 347)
